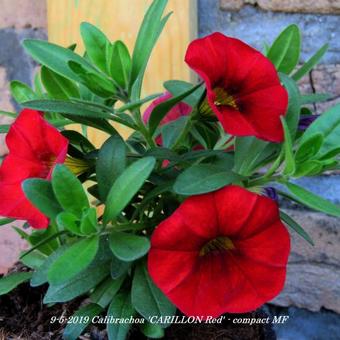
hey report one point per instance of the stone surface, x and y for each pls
(326, 78)
(23, 13)
(256, 26)
(305, 325)
(13, 57)
(323, 79)
(301, 6)
(327, 187)
(10, 245)
(231, 5)
(14, 64)
(313, 276)
(5, 105)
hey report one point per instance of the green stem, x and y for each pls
(275, 165)
(264, 180)
(142, 128)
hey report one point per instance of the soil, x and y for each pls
(23, 316)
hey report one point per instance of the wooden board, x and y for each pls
(120, 19)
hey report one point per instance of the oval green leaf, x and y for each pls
(69, 190)
(126, 186)
(202, 178)
(312, 200)
(74, 260)
(128, 247)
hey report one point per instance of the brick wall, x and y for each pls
(19, 19)
(313, 274)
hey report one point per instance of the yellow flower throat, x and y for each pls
(223, 98)
(217, 244)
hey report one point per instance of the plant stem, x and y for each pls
(275, 165)
(264, 180)
(142, 128)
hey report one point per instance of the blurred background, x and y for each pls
(312, 294)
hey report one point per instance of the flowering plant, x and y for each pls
(184, 212)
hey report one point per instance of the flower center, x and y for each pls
(223, 98)
(218, 244)
(77, 166)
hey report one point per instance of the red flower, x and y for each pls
(35, 147)
(243, 88)
(179, 110)
(220, 252)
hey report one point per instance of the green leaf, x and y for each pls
(160, 111)
(105, 292)
(176, 87)
(34, 260)
(118, 267)
(120, 64)
(88, 224)
(120, 308)
(40, 275)
(148, 34)
(4, 128)
(110, 164)
(5, 221)
(152, 330)
(126, 186)
(94, 81)
(285, 51)
(80, 141)
(294, 103)
(69, 107)
(309, 148)
(288, 148)
(8, 114)
(295, 226)
(12, 281)
(172, 131)
(97, 123)
(73, 261)
(56, 57)
(45, 240)
(41, 194)
(146, 298)
(70, 222)
(328, 124)
(21, 92)
(314, 98)
(69, 190)
(245, 146)
(308, 168)
(312, 200)
(78, 286)
(38, 87)
(57, 86)
(202, 178)
(136, 104)
(95, 42)
(309, 64)
(128, 247)
(84, 315)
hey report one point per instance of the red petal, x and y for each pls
(34, 146)
(14, 204)
(31, 137)
(246, 75)
(235, 280)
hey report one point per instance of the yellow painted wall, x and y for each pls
(120, 19)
